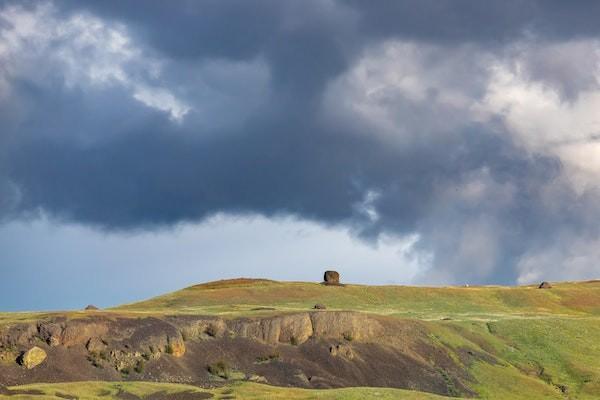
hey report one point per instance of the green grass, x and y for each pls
(239, 390)
(97, 390)
(247, 297)
(535, 357)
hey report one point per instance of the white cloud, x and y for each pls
(407, 90)
(573, 259)
(542, 121)
(367, 208)
(546, 95)
(161, 100)
(85, 50)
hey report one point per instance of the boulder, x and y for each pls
(96, 345)
(32, 357)
(545, 285)
(331, 278)
(91, 307)
(319, 306)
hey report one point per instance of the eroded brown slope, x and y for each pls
(312, 349)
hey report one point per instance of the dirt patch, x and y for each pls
(189, 395)
(468, 356)
(123, 395)
(4, 391)
(65, 396)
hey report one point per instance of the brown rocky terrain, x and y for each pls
(316, 349)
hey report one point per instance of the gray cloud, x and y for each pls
(262, 107)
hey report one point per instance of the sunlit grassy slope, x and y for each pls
(241, 296)
(240, 390)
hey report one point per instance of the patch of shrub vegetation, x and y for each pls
(450, 386)
(267, 358)
(491, 327)
(220, 369)
(294, 341)
(139, 367)
(96, 358)
(348, 336)
(563, 388)
(8, 353)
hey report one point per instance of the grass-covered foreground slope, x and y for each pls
(164, 391)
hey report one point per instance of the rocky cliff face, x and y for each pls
(311, 349)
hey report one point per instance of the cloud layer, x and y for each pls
(469, 125)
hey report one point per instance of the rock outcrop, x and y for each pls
(342, 350)
(59, 332)
(96, 345)
(345, 324)
(545, 285)
(152, 336)
(91, 307)
(324, 348)
(331, 278)
(295, 328)
(32, 357)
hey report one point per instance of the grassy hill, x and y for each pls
(524, 342)
(247, 296)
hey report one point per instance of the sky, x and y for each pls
(148, 146)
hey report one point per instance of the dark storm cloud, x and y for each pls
(100, 157)
(478, 21)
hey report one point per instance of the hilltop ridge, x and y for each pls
(245, 296)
